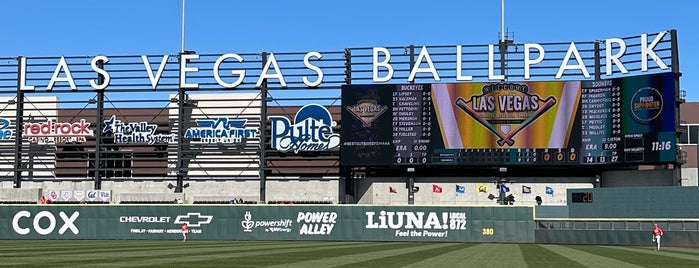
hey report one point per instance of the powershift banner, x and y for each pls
(347, 223)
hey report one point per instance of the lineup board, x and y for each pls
(618, 121)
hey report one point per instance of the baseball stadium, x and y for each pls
(367, 156)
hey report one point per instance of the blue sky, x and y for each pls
(136, 27)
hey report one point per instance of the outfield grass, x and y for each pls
(130, 253)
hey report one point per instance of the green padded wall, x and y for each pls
(293, 222)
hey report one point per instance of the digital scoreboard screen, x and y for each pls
(628, 120)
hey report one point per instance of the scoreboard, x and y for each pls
(617, 121)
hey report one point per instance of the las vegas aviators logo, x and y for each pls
(367, 111)
(507, 105)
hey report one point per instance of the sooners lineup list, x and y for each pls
(618, 121)
(601, 122)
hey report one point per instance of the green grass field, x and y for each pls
(130, 253)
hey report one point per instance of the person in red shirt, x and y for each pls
(657, 233)
(185, 230)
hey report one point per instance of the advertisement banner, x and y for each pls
(347, 223)
(79, 195)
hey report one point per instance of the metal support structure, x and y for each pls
(412, 60)
(676, 70)
(351, 176)
(19, 121)
(346, 183)
(348, 66)
(182, 164)
(410, 184)
(263, 135)
(503, 46)
(342, 188)
(98, 130)
(598, 66)
(181, 95)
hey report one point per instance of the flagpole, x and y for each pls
(502, 20)
(182, 38)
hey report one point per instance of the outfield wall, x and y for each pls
(622, 216)
(683, 238)
(636, 202)
(268, 222)
(497, 224)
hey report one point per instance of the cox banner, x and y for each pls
(358, 223)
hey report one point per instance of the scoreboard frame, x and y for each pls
(625, 121)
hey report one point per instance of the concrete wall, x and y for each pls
(311, 190)
(689, 177)
(292, 190)
(372, 190)
(23, 195)
(638, 178)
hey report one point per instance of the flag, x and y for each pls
(503, 188)
(549, 190)
(483, 188)
(526, 189)
(436, 188)
(460, 189)
(392, 190)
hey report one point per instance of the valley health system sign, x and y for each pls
(382, 69)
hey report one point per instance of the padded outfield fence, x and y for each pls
(678, 232)
(261, 222)
(332, 223)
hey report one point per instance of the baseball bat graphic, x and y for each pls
(550, 101)
(461, 103)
